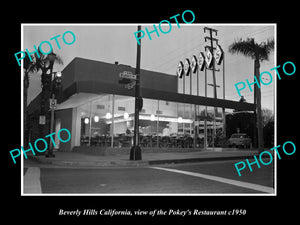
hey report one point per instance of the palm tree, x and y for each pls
(29, 67)
(44, 63)
(259, 53)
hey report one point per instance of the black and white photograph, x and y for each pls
(149, 112)
(170, 114)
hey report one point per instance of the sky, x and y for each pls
(116, 42)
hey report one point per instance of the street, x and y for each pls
(217, 177)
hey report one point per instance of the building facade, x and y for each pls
(99, 111)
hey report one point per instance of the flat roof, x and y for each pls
(94, 77)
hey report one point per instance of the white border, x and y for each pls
(22, 116)
(149, 24)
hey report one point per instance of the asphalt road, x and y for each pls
(192, 178)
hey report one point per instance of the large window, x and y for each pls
(108, 121)
(94, 116)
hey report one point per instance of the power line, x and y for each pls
(167, 64)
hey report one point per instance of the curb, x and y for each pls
(32, 183)
(100, 164)
(128, 163)
(66, 163)
(191, 160)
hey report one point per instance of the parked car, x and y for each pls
(239, 140)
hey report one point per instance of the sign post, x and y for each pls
(128, 75)
(219, 54)
(130, 85)
(135, 151)
(42, 120)
(52, 103)
(179, 73)
(208, 58)
(128, 78)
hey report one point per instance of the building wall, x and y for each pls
(68, 74)
(85, 70)
(66, 118)
(83, 76)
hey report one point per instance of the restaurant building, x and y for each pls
(99, 111)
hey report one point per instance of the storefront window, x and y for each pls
(108, 121)
(94, 129)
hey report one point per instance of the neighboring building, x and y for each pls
(99, 111)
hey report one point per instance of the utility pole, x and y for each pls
(211, 47)
(135, 151)
(223, 109)
(212, 50)
(205, 112)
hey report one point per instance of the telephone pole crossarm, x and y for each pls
(211, 30)
(209, 47)
(214, 39)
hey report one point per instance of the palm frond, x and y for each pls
(28, 65)
(250, 48)
(43, 60)
(245, 47)
(58, 59)
(265, 48)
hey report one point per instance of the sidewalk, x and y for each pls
(85, 160)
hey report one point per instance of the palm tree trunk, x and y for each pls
(258, 108)
(254, 115)
(25, 93)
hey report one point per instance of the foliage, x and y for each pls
(267, 116)
(250, 48)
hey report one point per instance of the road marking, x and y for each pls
(32, 184)
(256, 187)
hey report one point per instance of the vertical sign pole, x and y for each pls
(191, 82)
(205, 120)
(197, 109)
(224, 117)
(157, 124)
(90, 123)
(113, 121)
(183, 84)
(191, 108)
(183, 114)
(215, 89)
(197, 82)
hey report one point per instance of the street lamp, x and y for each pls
(55, 84)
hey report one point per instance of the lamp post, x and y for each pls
(55, 80)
